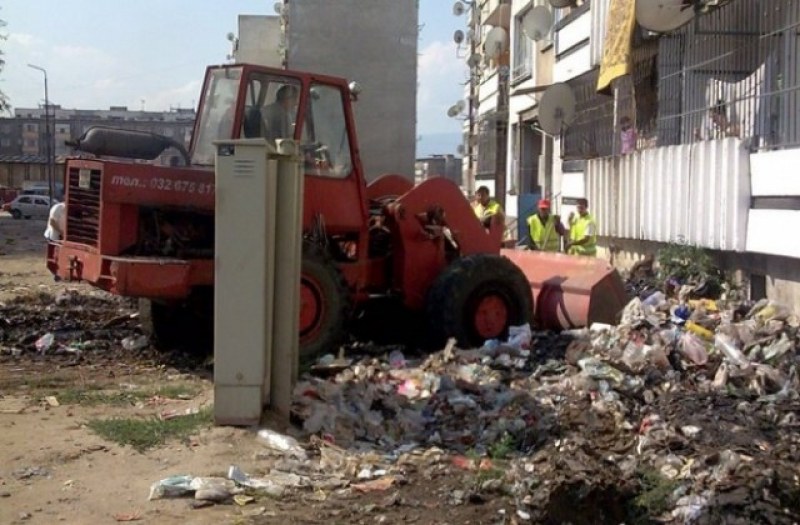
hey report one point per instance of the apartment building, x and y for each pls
(26, 132)
(694, 143)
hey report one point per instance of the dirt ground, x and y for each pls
(55, 469)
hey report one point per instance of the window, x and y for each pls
(523, 51)
(215, 120)
(325, 142)
(40, 202)
(24, 200)
(31, 128)
(5, 143)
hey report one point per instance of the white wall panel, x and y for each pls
(699, 192)
(574, 33)
(769, 172)
(572, 65)
(772, 231)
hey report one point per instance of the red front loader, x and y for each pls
(146, 231)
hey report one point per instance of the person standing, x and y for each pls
(582, 231)
(485, 207)
(56, 222)
(545, 229)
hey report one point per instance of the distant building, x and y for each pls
(26, 132)
(447, 166)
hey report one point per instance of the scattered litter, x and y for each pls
(52, 401)
(133, 516)
(45, 343)
(132, 344)
(378, 485)
(280, 443)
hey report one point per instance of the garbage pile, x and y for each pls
(686, 412)
(69, 323)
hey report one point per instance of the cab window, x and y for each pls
(324, 141)
(270, 107)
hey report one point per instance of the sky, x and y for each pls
(153, 53)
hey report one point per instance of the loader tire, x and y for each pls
(160, 322)
(325, 303)
(187, 325)
(477, 298)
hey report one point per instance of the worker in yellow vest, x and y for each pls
(486, 208)
(545, 229)
(582, 231)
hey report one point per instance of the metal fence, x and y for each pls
(732, 72)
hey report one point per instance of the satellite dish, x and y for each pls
(278, 7)
(474, 60)
(458, 9)
(461, 105)
(453, 111)
(560, 4)
(458, 36)
(537, 23)
(556, 108)
(662, 16)
(496, 42)
(460, 149)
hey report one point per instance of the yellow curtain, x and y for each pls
(617, 49)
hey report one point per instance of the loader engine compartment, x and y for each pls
(184, 234)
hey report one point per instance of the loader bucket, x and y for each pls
(570, 291)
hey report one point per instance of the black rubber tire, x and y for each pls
(16, 214)
(187, 325)
(162, 322)
(318, 267)
(452, 298)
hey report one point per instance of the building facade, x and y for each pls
(26, 133)
(694, 142)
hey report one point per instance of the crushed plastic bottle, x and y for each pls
(727, 345)
(778, 348)
(45, 343)
(281, 443)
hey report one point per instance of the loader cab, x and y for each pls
(248, 101)
(242, 101)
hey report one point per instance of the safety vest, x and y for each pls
(577, 231)
(544, 235)
(491, 208)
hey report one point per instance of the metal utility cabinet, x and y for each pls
(255, 340)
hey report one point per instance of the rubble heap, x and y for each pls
(686, 412)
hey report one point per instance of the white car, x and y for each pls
(29, 206)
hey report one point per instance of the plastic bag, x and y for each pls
(44, 343)
(692, 348)
(727, 345)
(520, 337)
(171, 487)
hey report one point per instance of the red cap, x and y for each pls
(544, 203)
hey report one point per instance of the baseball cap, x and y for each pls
(544, 203)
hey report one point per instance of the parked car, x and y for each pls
(29, 206)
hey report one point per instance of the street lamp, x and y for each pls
(48, 135)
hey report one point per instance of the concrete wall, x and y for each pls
(373, 42)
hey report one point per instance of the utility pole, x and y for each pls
(48, 135)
